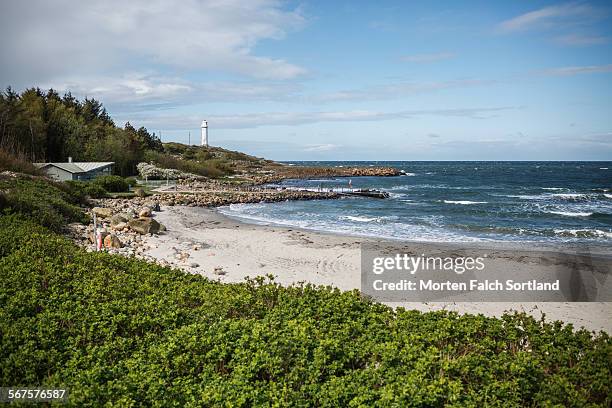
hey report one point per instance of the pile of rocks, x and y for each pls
(151, 172)
(123, 229)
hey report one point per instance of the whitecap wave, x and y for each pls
(359, 219)
(464, 202)
(570, 196)
(572, 214)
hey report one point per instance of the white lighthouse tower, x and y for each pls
(204, 133)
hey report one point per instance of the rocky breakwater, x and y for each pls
(307, 172)
(221, 198)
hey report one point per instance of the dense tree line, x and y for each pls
(44, 126)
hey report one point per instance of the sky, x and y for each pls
(332, 80)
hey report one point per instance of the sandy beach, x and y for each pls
(202, 241)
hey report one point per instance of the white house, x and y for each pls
(76, 170)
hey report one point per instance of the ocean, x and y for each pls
(550, 202)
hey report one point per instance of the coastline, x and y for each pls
(204, 241)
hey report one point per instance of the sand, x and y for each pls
(215, 242)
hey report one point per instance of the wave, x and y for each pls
(553, 188)
(571, 196)
(359, 219)
(572, 214)
(527, 197)
(555, 196)
(583, 233)
(464, 202)
(608, 195)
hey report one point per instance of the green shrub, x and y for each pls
(112, 184)
(123, 332)
(81, 190)
(131, 181)
(51, 204)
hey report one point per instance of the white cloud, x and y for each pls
(590, 69)
(125, 89)
(400, 89)
(425, 58)
(49, 40)
(253, 120)
(580, 39)
(548, 17)
(326, 147)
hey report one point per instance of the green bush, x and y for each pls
(112, 184)
(84, 189)
(132, 182)
(123, 332)
(51, 204)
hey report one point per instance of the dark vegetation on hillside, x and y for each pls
(46, 127)
(42, 126)
(120, 331)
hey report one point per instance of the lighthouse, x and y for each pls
(204, 133)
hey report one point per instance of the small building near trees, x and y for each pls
(76, 170)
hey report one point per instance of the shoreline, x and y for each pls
(204, 241)
(593, 248)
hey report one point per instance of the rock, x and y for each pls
(162, 227)
(144, 225)
(219, 271)
(129, 214)
(118, 219)
(182, 256)
(144, 212)
(111, 241)
(139, 192)
(153, 205)
(194, 264)
(120, 226)
(102, 212)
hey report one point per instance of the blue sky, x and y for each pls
(320, 80)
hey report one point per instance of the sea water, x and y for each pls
(457, 202)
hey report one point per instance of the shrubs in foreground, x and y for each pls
(129, 333)
(51, 204)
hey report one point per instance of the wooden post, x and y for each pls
(95, 231)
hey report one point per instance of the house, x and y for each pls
(76, 170)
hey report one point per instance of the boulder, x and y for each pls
(144, 212)
(129, 214)
(119, 226)
(118, 219)
(111, 241)
(102, 212)
(139, 192)
(144, 225)
(153, 205)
